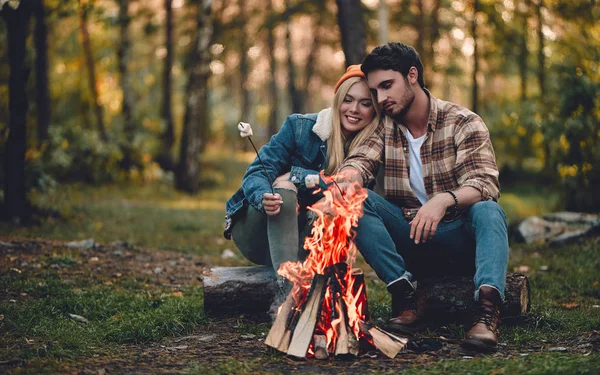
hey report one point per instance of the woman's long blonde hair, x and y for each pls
(335, 143)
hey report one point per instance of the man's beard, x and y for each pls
(407, 100)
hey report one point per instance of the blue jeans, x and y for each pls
(476, 242)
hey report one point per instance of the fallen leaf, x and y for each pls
(570, 305)
(176, 294)
(78, 318)
(94, 259)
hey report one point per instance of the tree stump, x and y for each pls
(249, 291)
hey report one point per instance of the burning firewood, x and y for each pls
(331, 315)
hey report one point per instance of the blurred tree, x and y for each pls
(123, 55)
(245, 114)
(165, 156)
(196, 113)
(42, 98)
(270, 24)
(16, 15)
(352, 29)
(475, 71)
(84, 7)
(523, 8)
(383, 17)
(295, 97)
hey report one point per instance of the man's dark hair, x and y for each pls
(394, 56)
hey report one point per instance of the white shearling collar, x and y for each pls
(323, 126)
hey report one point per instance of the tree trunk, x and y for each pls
(244, 68)
(475, 86)
(91, 68)
(250, 291)
(312, 56)
(123, 55)
(352, 30)
(421, 33)
(196, 115)
(383, 16)
(272, 126)
(541, 57)
(295, 97)
(16, 208)
(523, 11)
(165, 157)
(42, 98)
(433, 38)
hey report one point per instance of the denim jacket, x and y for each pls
(300, 147)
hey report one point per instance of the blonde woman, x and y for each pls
(268, 228)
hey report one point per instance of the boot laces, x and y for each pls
(487, 315)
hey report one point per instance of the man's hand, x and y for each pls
(272, 203)
(344, 180)
(426, 221)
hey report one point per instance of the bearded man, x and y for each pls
(438, 212)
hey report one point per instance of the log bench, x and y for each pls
(249, 291)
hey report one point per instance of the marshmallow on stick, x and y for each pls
(246, 132)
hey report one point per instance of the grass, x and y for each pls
(564, 281)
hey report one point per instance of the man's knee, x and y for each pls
(487, 210)
(282, 182)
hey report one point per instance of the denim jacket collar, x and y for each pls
(323, 127)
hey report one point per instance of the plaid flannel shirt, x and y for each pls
(457, 152)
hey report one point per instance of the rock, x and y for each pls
(572, 217)
(535, 229)
(227, 253)
(84, 244)
(78, 318)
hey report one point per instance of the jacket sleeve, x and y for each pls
(276, 156)
(306, 179)
(475, 160)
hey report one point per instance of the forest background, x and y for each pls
(118, 123)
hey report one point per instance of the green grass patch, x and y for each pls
(126, 313)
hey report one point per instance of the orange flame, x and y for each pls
(331, 246)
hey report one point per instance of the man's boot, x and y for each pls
(483, 335)
(408, 308)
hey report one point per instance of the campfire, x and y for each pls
(326, 313)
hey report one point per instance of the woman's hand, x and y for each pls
(272, 203)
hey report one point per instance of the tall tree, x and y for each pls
(383, 16)
(475, 72)
(196, 114)
(523, 13)
(165, 157)
(123, 55)
(84, 7)
(272, 125)
(42, 93)
(295, 97)
(541, 71)
(16, 16)
(312, 55)
(352, 29)
(244, 65)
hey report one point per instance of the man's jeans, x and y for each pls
(477, 241)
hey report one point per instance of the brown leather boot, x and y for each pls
(408, 308)
(483, 335)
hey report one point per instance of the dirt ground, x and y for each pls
(213, 346)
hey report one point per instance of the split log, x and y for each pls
(280, 333)
(346, 344)
(387, 343)
(303, 332)
(451, 299)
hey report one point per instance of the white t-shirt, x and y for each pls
(416, 167)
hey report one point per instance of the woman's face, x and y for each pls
(357, 109)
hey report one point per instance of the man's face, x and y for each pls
(394, 93)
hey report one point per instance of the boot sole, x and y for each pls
(479, 346)
(410, 330)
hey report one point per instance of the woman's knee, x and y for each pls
(282, 182)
